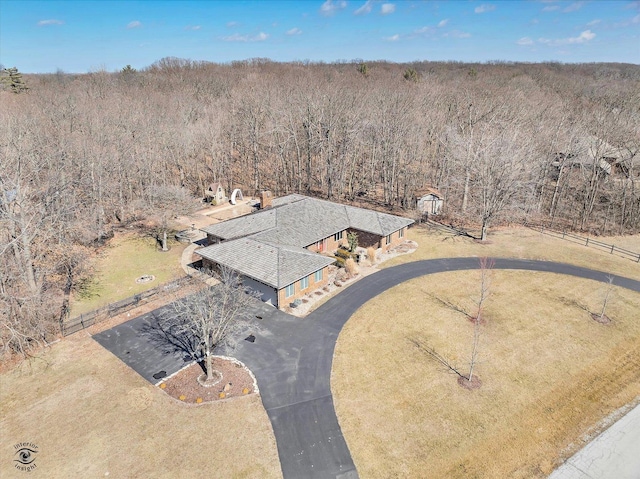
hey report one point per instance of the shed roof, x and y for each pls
(428, 191)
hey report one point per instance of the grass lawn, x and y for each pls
(92, 416)
(550, 373)
(124, 259)
(522, 243)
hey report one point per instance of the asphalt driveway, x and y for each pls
(291, 359)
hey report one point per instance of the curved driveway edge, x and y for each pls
(292, 357)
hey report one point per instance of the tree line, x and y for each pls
(503, 142)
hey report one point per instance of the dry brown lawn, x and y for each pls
(92, 416)
(522, 243)
(550, 375)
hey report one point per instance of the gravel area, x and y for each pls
(236, 381)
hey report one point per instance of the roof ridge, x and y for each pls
(379, 222)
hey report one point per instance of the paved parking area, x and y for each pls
(133, 342)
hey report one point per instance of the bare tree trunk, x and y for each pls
(465, 194)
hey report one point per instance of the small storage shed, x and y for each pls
(215, 194)
(429, 201)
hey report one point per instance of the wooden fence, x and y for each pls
(585, 241)
(85, 320)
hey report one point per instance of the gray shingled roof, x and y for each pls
(244, 225)
(274, 265)
(301, 221)
(268, 246)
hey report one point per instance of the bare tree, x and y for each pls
(486, 265)
(166, 202)
(212, 317)
(468, 381)
(602, 316)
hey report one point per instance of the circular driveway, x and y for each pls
(292, 359)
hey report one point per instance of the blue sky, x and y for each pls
(81, 36)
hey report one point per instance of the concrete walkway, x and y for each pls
(614, 454)
(291, 359)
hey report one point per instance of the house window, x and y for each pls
(317, 277)
(304, 283)
(288, 291)
(389, 238)
(401, 233)
(337, 236)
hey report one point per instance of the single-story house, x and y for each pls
(429, 201)
(215, 194)
(276, 250)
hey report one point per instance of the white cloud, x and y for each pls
(525, 41)
(442, 23)
(485, 7)
(232, 24)
(192, 27)
(294, 31)
(573, 7)
(584, 37)
(364, 9)
(551, 8)
(387, 8)
(236, 37)
(631, 21)
(330, 7)
(457, 34)
(593, 22)
(423, 30)
(393, 38)
(51, 21)
(134, 24)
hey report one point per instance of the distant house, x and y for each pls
(276, 250)
(586, 152)
(429, 201)
(215, 194)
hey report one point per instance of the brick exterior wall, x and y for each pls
(395, 239)
(330, 244)
(283, 301)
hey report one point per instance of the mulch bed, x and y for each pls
(236, 381)
(475, 382)
(604, 319)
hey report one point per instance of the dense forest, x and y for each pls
(81, 155)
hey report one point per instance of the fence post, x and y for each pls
(612, 247)
(563, 233)
(587, 242)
